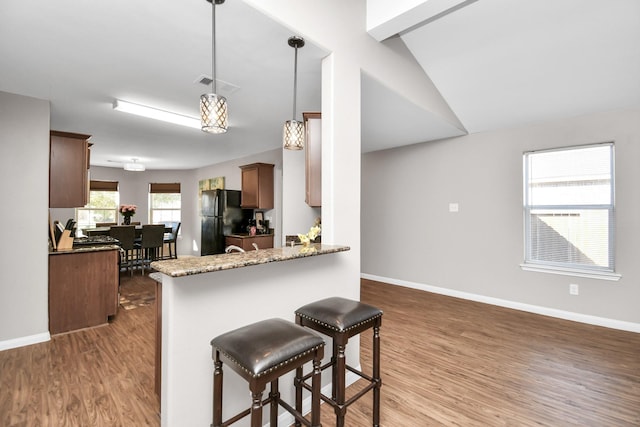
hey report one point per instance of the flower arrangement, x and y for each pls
(128, 210)
(314, 232)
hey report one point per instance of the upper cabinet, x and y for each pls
(313, 159)
(68, 170)
(257, 186)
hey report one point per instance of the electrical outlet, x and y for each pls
(454, 207)
(574, 289)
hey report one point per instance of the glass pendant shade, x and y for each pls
(213, 113)
(293, 135)
(213, 107)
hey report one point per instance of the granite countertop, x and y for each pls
(197, 265)
(80, 249)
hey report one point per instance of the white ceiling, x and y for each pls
(498, 63)
(83, 55)
(504, 63)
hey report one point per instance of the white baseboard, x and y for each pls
(286, 419)
(23, 341)
(545, 311)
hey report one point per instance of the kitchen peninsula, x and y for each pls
(83, 287)
(203, 297)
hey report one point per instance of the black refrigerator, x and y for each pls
(221, 216)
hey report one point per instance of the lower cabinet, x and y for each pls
(83, 289)
(264, 241)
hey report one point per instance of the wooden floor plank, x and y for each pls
(445, 362)
(457, 362)
(101, 376)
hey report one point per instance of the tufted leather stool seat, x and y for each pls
(261, 353)
(340, 319)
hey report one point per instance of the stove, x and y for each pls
(94, 241)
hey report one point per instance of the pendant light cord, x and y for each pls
(213, 46)
(295, 82)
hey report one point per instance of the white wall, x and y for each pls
(408, 233)
(297, 216)
(24, 185)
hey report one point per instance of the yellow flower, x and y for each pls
(304, 239)
(313, 232)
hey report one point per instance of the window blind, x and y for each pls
(163, 187)
(103, 185)
(569, 207)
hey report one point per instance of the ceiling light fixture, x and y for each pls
(134, 167)
(293, 133)
(155, 113)
(213, 108)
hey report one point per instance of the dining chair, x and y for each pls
(171, 238)
(129, 254)
(105, 224)
(151, 243)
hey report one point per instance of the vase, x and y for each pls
(127, 220)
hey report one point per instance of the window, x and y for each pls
(102, 206)
(164, 203)
(569, 209)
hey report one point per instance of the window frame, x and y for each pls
(164, 188)
(100, 186)
(569, 268)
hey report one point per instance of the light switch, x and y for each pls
(453, 207)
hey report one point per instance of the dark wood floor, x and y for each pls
(445, 362)
(452, 362)
(101, 376)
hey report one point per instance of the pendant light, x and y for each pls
(293, 134)
(213, 107)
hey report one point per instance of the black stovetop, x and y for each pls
(95, 241)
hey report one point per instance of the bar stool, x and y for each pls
(261, 353)
(340, 319)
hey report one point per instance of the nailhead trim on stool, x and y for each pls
(261, 353)
(340, 319)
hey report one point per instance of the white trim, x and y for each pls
(591, 274)
(545, 311)
(24, 341)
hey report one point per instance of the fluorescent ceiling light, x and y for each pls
(134, 167)
(154, 113)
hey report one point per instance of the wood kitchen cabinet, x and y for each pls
(68, 170)
(83, 288)
(264, 241)
(257, 186)
(313, 159)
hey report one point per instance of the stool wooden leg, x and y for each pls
(334, 376)
(339, 376)
(217, 391)
(298, 384)
(256, 408)
(275, 397)
(376, 376)
(315, 391)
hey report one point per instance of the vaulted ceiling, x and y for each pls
(497, 63)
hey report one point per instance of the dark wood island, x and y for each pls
(83, 287)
